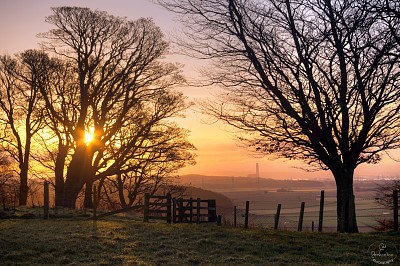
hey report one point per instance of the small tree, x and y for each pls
(20, 115)
(304, 79)
(384, 197)
(384, 193)
(155, 168)
(8, 182)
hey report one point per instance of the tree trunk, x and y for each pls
(346, 212)
(88, 200)
(23, 186)
(121, 191)
(71, 192)
(75, 179)
(59, 174)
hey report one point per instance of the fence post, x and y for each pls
(219, 222)
(234, 216)
(300, 227)
(246, 215)
(278, 213)
(169, 220)
(94, 202)
(190, 210)
(46, 200)
(174, 210)
(146, 207)
(321, 211)
(212, 211)
(181, 212)
(198, 211)
(312, 226)
(395, 210)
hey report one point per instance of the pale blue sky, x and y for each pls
(21, 20)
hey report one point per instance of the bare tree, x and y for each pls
(155, 166)
(384, 197)
(8, 182)
(315, 80)
(20, 117)
(384, 193)
(122, 92)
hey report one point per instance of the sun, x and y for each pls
(88, 137)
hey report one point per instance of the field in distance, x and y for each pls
(265, 194)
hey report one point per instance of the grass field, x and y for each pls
(120, 241)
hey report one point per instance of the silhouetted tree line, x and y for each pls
(97, 75)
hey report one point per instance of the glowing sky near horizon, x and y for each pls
(217, 152)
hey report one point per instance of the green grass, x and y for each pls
(128, 242)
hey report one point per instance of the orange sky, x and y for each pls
(217, 152)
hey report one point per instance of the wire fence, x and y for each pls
(263, 214)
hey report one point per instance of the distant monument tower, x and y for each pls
(257, 174)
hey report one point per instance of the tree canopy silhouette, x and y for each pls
(100, 76)
(315, 80)
(121, 91)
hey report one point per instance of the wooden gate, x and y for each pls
(157, 208)
(194, 211)
(182, 211)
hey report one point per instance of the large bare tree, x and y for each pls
(120, 89)
(315, 80)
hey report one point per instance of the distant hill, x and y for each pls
(225, 182)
